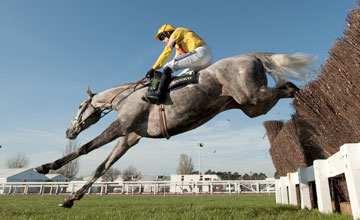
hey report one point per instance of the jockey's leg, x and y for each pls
(159, 95)
(185, 71)
(196, 60)
(164, 82)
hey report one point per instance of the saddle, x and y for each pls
(176, 82)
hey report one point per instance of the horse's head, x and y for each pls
(87, 115)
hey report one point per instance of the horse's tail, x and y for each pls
(283, 67)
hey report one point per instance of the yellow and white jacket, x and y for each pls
(184, 40)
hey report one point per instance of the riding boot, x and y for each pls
(159, 95)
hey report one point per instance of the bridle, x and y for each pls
(97, 114)
(100, 112)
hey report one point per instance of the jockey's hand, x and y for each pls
(150, 73)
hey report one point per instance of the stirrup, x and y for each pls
(152, 97)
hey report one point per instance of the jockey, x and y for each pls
(192, 53)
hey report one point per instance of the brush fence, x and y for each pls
(309, 187)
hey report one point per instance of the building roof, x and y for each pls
(6, 173)
(21, 174)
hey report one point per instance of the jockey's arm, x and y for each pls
(165, 55)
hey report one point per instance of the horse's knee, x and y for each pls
(43, 169)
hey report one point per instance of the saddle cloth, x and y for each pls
(176, 82)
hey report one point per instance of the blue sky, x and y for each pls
(50, 51)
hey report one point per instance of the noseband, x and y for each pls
(94, 117)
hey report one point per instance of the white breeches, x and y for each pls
(196, 60)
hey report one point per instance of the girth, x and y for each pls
(162, 117)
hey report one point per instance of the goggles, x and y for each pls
(162, 36)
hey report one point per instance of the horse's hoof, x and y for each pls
(43, 169)
(66, 203)
(291, 89)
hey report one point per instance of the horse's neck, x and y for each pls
(107, 96)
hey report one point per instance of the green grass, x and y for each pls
(156, 207)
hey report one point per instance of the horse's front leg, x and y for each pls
(124, 144)
(110, 134)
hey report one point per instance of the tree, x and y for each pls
(20, 160)
(246, 177)
(255, 176)
(276, 175)
(130, 172)
(72, 168)
(262, 176)
(185, 165)
(111, 174)
(210, 172)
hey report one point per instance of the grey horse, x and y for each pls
(237, 82)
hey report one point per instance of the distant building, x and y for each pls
(21, 175)
(178, 187)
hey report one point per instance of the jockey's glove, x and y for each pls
(150, 73)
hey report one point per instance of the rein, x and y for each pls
(118, 93)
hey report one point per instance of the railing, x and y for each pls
(309, 186)
(141, 187)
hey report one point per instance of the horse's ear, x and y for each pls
(89, 92)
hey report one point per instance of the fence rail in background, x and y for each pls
(141, 187)
(309, 187)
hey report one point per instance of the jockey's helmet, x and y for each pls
(164, 28)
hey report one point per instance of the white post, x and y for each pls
(199, 161)
(284, 191)
(200, 145)
(278, 191)
(351, 153)
(26, 189)
(293, 179)
(322, 186)
(164, 189)
(305, 176)
(101, 189)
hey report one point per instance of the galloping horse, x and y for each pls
(237, 82)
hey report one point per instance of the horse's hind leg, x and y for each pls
(110, 134)
(267, 97)
(124, 144)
